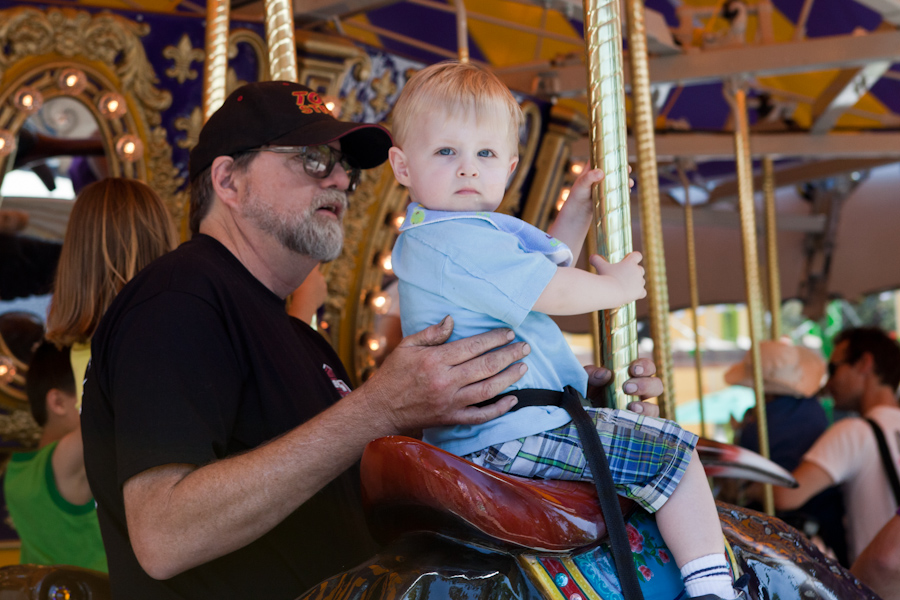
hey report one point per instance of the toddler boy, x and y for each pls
(456, 135)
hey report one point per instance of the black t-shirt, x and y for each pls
(196, 360)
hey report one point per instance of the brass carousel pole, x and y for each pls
(462, 31)
(751, 269)
(609, 151)
(694, 290)
(651, 221)
(772, 247)
(215, 68)
(280, 40)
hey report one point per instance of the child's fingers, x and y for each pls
(588, 178)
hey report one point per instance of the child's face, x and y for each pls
(456, 163)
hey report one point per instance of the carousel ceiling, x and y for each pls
(824, 102)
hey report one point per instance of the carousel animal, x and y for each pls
(454, 530)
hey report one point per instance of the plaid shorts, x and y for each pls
(647, 456)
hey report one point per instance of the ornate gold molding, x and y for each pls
(36, 44)
(183, 55)
(325, 61)
(513, 196)
(357, 275)
(566, 126)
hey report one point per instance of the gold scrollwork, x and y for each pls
(35, 43)
(257, 45)
(183, 55)
(532, 126)
(191, 126)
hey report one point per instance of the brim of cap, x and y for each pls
(366, 144)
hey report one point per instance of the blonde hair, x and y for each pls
(116, 228)
(455, 87)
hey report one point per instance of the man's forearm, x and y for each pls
(181, 516)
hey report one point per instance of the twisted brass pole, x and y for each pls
(215, 68)
(694, 291)
(772, 247)
(280, 39)
(751, 270)
(651, 221)
(609, 151)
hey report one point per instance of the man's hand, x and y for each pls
(643, 384)
(426, 382)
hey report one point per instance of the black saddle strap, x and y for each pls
(595, 456)
(886, 460)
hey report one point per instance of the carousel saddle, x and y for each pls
(409, 485)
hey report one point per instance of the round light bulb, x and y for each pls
(577, 168)
(381, 303)
(112, 105)
(129, 148)
(7, 142)
(7, 369)
(72, 81)
(28, 100)
(386, 264)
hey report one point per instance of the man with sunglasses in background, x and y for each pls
(863, 375)
(221, 435)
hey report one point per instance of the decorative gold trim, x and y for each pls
(512, 199)
(35, 44)
(539, 577)
(258, 45)
(182, 56)
(355, 276)
(566, 126)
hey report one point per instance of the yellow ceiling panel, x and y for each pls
(362, 35)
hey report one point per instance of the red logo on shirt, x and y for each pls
(339, 384)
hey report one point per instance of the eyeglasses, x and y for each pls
(319, 161)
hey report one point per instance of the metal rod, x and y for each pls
(462, 31)
(772, 247)
(751, 270)
(474, 16)
(694, 291)
(215, 68)
(280, 39)
(609, 151)
(800, 31)
(651, 221)
(400, 38)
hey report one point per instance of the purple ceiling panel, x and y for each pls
(703, 106)
(435, 27)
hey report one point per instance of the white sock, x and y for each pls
(708, 575)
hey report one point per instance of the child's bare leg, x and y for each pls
(688, 521)
(689, 524)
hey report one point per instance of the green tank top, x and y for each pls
(52, 530)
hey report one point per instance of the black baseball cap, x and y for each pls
(286, 114)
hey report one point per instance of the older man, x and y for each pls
(864, 372)
(221, 437)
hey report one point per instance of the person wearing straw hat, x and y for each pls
(864, 372)
(792, 377)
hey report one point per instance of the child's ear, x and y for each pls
(399, 165)
(512, 165)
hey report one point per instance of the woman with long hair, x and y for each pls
(116, 228)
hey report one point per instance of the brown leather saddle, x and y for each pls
(409, 485)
